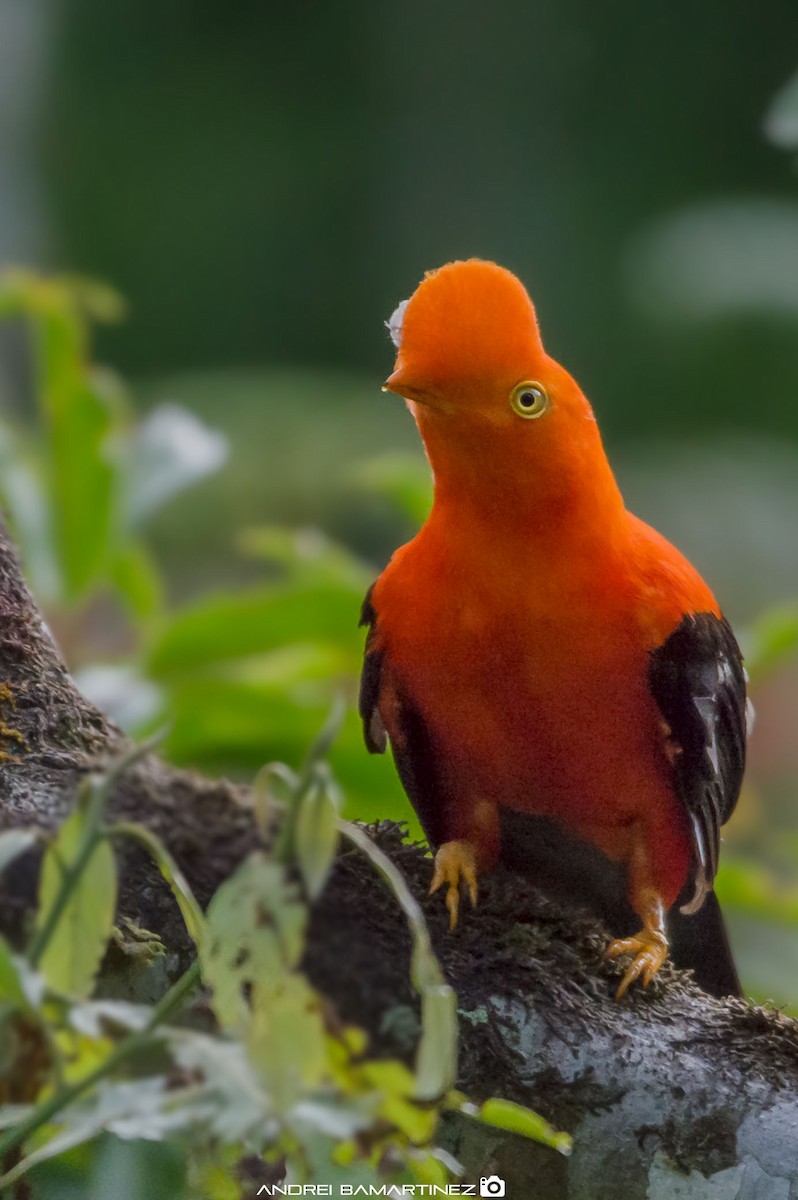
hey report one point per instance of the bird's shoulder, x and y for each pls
(664, 583)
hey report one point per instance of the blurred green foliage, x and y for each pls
(772, 641)
(81, 487)
(241, 675)
(277, 1077)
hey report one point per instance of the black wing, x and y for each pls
(373, 728)
(698, 681)
(411, 743)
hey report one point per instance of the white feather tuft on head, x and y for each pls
(394, 323)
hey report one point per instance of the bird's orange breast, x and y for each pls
(532, 678)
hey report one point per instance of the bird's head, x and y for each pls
(484, 393)
(468, 343)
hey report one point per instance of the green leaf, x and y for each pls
(433, 1167)
(92, 298)
(81, 412)
(136, 577)
(390, 1076)
(436, 1056)
(315, 838)
(272, 791)
(131, 1109)
(333, 1118)
(224, 627)
(417, 1123)
(13, 1114)
(306, 556)
(266, 710)
(753, 889)
(24, 495)
(256, 927)
(179, 885)
(515, 1118)
(137, 1170)
(286, 1039)
(93, 1018)
(19, 985)
(77, 943)
(214, 1182)
(13, 284)
(772, 641)
(239, 1100)
(323, 743)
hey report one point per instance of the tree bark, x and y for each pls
(667, 1094)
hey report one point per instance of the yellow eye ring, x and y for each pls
(529, 399)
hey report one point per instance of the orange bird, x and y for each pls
(540, 658)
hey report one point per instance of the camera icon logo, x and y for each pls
(491, 1185)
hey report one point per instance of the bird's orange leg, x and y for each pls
(455, 865)
(649, 947)
(459, 862)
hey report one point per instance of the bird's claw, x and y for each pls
(455, 865)
(650, 949)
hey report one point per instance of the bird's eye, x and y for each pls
(529, 399)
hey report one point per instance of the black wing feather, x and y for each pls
(411, 744)
(698, 681)
(373, 728)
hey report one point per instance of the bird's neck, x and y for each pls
(493, 489)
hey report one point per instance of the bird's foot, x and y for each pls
(6, 731)
(650, 949)
(455, 865)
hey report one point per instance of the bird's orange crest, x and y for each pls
(468, 323)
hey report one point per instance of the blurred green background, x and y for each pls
(263, 183)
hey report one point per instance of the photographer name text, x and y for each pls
(370, 1189)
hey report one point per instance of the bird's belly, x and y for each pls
(558, 724)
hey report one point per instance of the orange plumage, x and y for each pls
(517, 629)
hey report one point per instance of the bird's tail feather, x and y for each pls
(699, 943)
(564, 866)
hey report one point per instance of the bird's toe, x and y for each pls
(649, 949)
(456, 866)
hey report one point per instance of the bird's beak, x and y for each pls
(400, 385)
